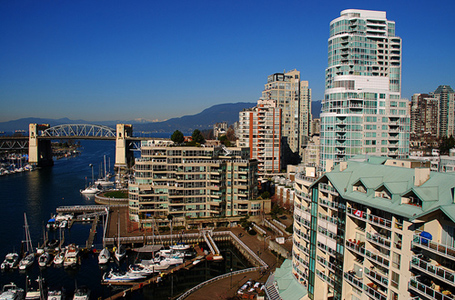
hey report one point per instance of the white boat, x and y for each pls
(44, 259)
(27, 261)
(55, 295)
(141, 270)
(104, 256)
(121, 276)
(91, 190)
(63, 224)
(51, 224)
(33, 292)
(59, 257)
(119, 251)
(82, 293)
(169, 253)
(71, 254)
(11, 260)
(11, 291)
(180, 247)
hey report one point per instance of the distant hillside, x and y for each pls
(228, 112)
(316, 108)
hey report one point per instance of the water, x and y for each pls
(40, 192)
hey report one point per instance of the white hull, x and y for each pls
(90, 191)
(11, 260)
(104, 256)
(27, 261)
(121, 277)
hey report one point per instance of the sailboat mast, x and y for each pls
(105, 172)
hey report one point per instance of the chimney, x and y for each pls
(343, 165)
(421, 175)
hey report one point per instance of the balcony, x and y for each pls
(375, 220)
(328, 188)
(353, 280)
(370, 273)
(372, 291)
(423, 289)
(434, 247)
(356, 213)
(379, 240)
(425, 266)
(377, 258)
(357, 246)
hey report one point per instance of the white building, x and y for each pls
(363, 111)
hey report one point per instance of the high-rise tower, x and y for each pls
(293, 96)
(362, 111)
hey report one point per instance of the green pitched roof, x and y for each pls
(288, 286)
(435, 193)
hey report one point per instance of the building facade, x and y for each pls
(260, 131)
(191, 182)
(446, 121)
(362, 111)
(293, 96)
(375, 228)
(424, 117)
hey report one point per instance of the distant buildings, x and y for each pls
(424, 117)
(363, 111)
(220, 129)
(192, 182)
(446, 98)
(260, 131)
(293, 96)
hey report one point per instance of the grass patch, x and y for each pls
(116, 194)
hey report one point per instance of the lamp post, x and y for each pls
(231, 278)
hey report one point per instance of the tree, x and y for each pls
(224, 140)
(197, 137)
(177, 137)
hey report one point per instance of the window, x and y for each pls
(396, 260)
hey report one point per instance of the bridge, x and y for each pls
(39, 148)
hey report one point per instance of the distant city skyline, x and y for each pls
(108, 60)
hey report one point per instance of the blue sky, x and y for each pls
(121, 60)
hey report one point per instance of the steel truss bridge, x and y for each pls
(79, 131)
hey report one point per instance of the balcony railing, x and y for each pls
(359, 214)
(419, 287)
(353, 280)
(434, 247)
(359, 248)
(377, 276)
(376, 258)
(378, 239)
(328, 188)
(435, 271)
(379, 221)
(373, 293)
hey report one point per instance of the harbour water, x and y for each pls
(40, 192)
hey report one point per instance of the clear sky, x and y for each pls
(122, 60)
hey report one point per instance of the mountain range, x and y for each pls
(227, 112)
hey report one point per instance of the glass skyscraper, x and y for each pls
(362, 110)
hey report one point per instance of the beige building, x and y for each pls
(293, 96)
(260, 131)
(192, 182)
(374, 228)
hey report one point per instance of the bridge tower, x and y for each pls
(39, 150)
(124, 158)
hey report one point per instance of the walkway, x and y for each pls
(223, 289)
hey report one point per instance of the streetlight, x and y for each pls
(231, 278)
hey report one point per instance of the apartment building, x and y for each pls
(375, 228)
(362, 111)
(293, 96)
(192, 182)
(446, 121)
(260, 131)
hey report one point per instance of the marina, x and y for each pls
(53, 193)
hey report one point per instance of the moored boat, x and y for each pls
(59, 257)
(71, 256)
(81, 293)
(104, 256)
(27, 261)
(11, 291)
(121, 276)
(11, 260)
(44, 259)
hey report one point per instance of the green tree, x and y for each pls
(265, 195)
(177, 137)
(198, 137)
(224, 140)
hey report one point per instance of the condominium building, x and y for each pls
(375, 228)
(362, 111)
(424, 116)
(192, 182)
(446, 121)
(260, 131)
(293, 96)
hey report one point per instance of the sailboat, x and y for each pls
(119, 251)
(105, 255)
(91, 189)
(29, 258)
(104, 182)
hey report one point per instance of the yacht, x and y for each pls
(11, 260)
(140, 270)
(82, 293)
(180, 247)
(27, 261)
(90, 190)
(121, 276)
(59, 257)
(71, 254)
(44, 259)
(11, 292)
(104, 256)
